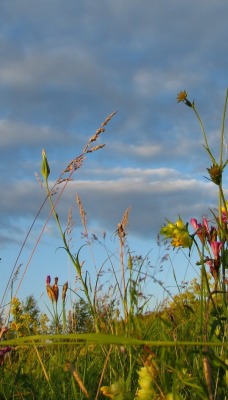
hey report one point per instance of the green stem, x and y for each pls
(222, 198)
(223, 129)
(204, 134)
(204, 285)
(49, 193)
(74, 260)
(201, 125)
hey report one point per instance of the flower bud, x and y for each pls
(215, 173)
(45, 170)
(65, 287)
(55, 290)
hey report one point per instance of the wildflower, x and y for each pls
(182, 96)
(182, 239)
(178, 232)
(49, 288)
(106, 390)
(55, 290)
(147, 375)
(168, 229)
(65, 287)
(213, 267)
(202, 230)
(115, 391)
(216, 247)
(213, 234)
(214, 264)
(3, 352)
(215, 173)
(16, 307)
(225, 207)
(224, 211)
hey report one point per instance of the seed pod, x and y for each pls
(45, 170)
(55, 290)
(65, 287)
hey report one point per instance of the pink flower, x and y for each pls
(216, 247)
(195, 224)
(212, 266)
(202, 230)
(224, 217)
(205, 225)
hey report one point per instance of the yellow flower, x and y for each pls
(147, 375)
(16, 307)
(178, 232)
(106, 392)
(168, 229)
(182, 239)
(170, 396)
(145, 394)
(180, 224)
(115, 391)
(182, 96)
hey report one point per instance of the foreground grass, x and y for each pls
(167, 344)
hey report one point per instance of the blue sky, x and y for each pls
(65, 66)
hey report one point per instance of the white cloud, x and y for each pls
(153, 194)
(65, 67)
(23, 134)
(148, 150)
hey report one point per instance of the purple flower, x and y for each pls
(55, 289)
(3, 352)
(48, 280)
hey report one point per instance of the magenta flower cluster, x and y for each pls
(208, 237)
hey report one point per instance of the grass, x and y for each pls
(107, 344)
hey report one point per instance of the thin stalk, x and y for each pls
(41, 233)
(201, 125)
(223, 129)
(74, 260)
(222, 198)
(42, 366)
(123, 278)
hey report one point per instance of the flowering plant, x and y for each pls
(214, 238)
(210, 237)
(211, 240)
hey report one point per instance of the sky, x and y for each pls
(65, 66)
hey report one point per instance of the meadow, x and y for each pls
(106, 344)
